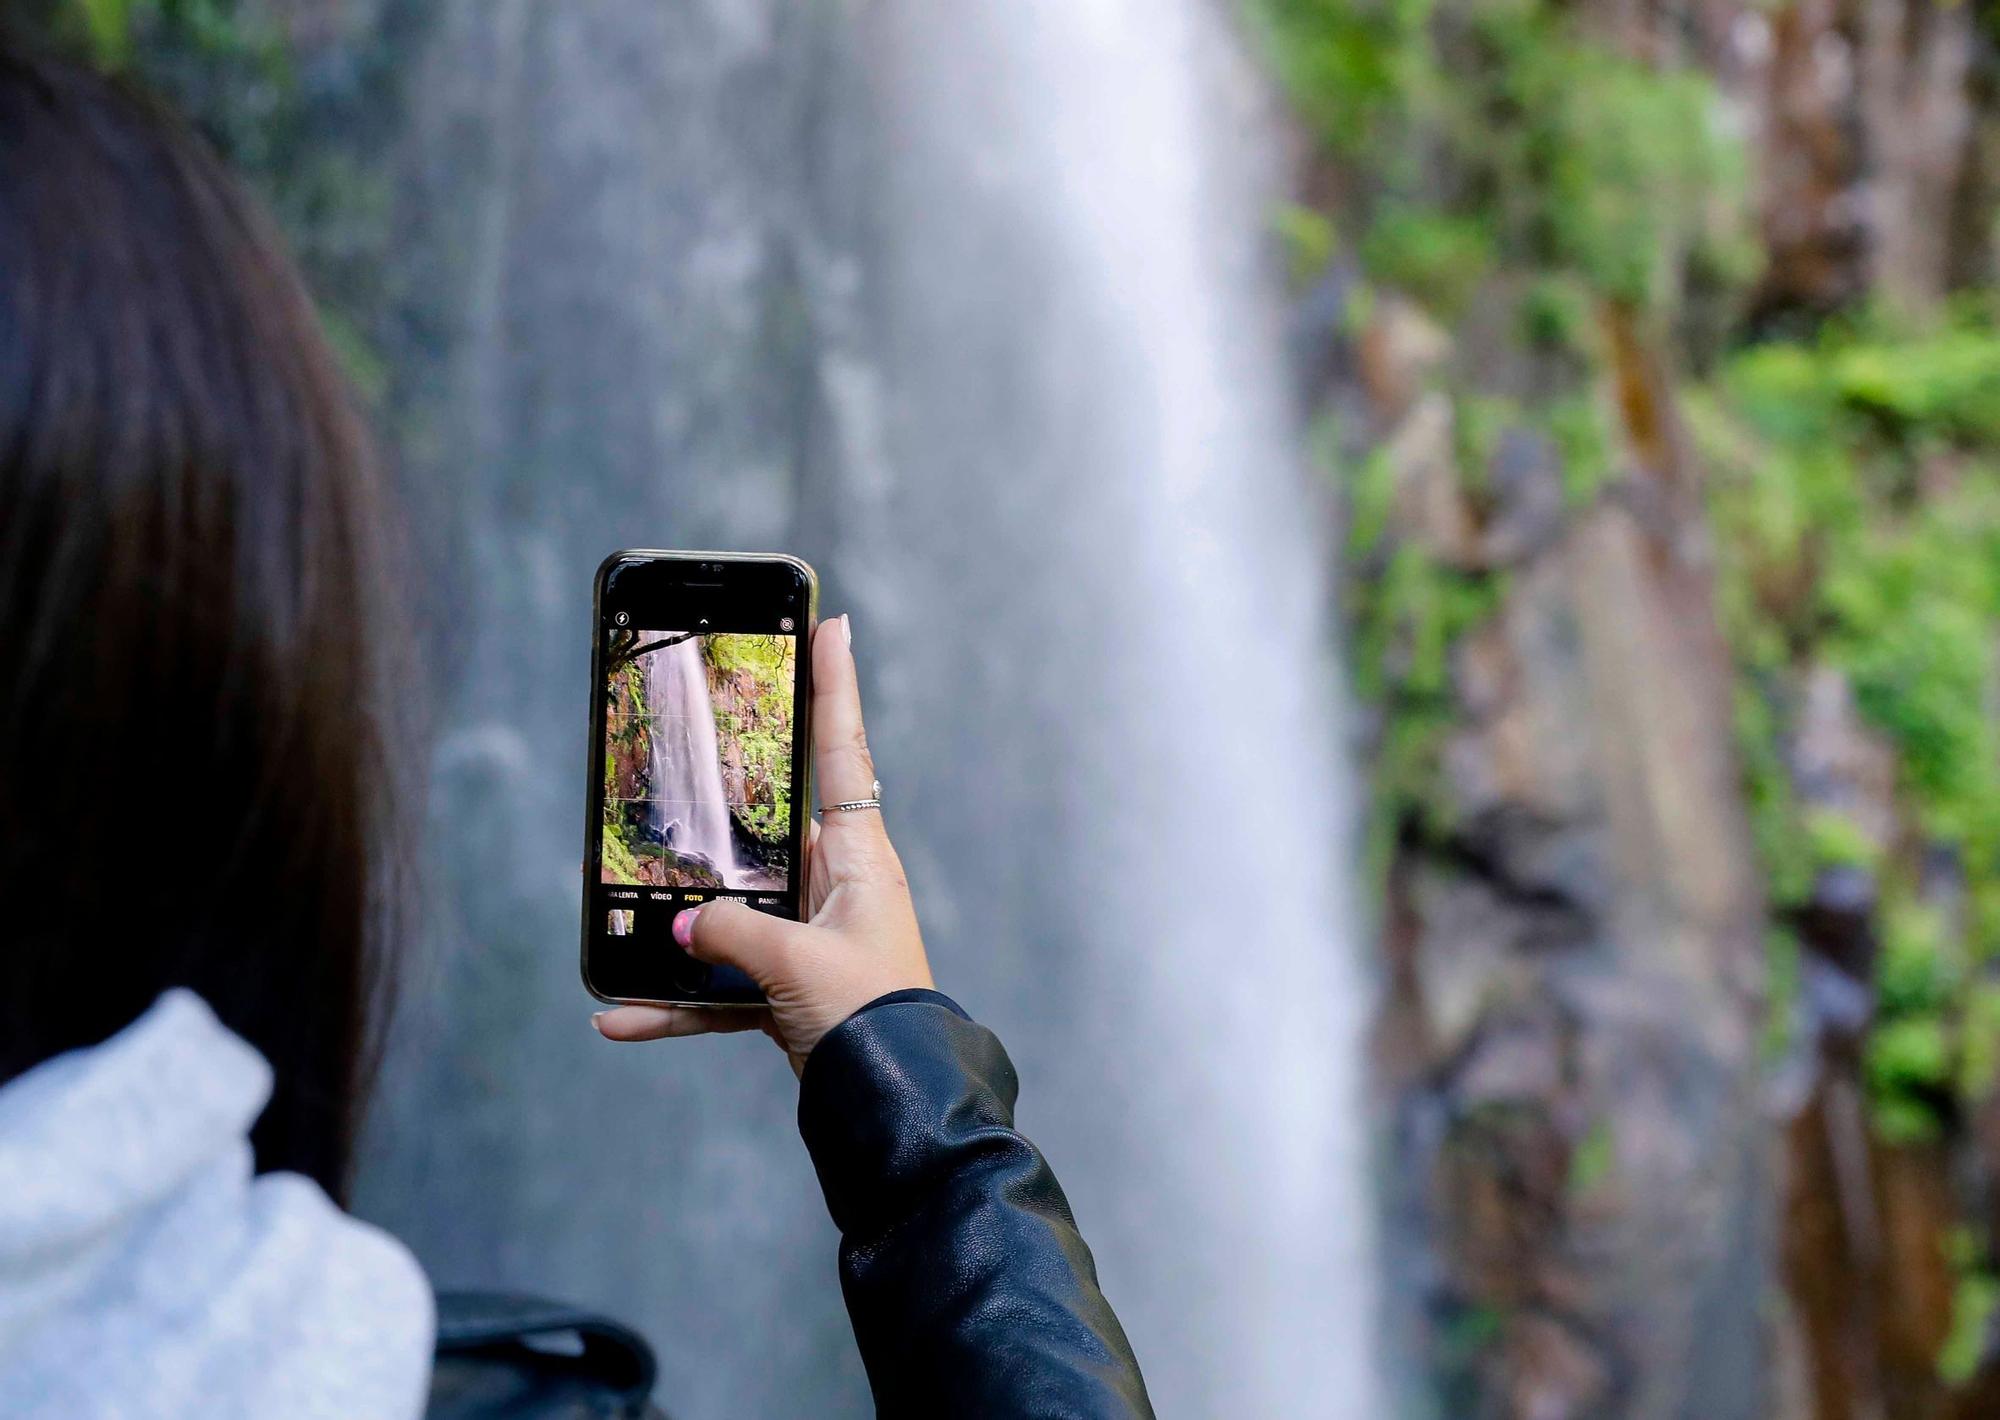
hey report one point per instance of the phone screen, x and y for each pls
(700, 779)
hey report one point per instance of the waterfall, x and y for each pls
(690, 807)
(968, 302)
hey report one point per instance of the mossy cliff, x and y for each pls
(750, 681)
(1655, 353)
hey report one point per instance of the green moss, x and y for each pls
(1586, 439)
(1478, 421)
(1371, 500)
(1407, 619)
(1774, 813)
(1783, 982)
(1834, 840)
(108, 26)
(1979, 1041)
(1591, 1161)
(1437, 256)
(1555, 314)
(1309, 239)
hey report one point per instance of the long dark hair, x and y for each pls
(197, 770)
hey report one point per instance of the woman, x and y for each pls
(200, 711)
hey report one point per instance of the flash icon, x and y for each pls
(784, 623)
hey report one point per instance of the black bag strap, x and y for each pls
(509, 1355)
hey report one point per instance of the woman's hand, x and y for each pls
(860, 938)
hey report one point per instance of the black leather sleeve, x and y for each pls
(971, 1291)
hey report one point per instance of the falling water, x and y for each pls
(691, 809)
(966, 301)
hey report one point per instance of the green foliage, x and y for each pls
(1477, 424)
(1407, 617)
(1783, 984)
(1975, 1300)
(619, 864)
(1855, 496)
(107, 26)
(1439, 257)
(1908, 1060)
(769, 658)
(1774, 812)
(751, 681)
(1310, 240)
(1587, 441)
(1834, 840)
(1937, 1028)
(1409, 620)
(1593, 1158)
(1555, 314)
(1920, 968)
(1878, 387)
(1979, 1038)
(1371, 500)
(1501, 132)
(1610, 166)
(1835, 545)
(1358, 70)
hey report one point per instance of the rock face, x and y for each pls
(751, 693)
(1795, 276)
(1877, 127)
(628, 767)
(1574, 929)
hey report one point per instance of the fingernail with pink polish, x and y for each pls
(684, 926)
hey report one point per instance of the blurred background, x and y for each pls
(1428, 582)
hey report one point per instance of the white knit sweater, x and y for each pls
(145, 1273)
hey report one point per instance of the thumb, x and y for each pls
(732, 934)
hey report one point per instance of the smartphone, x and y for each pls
(700, 779)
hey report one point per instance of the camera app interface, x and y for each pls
(697, 768)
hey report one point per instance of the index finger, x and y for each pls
(845, 769)
(666, 1022)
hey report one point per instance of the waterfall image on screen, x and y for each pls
(698, 759)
